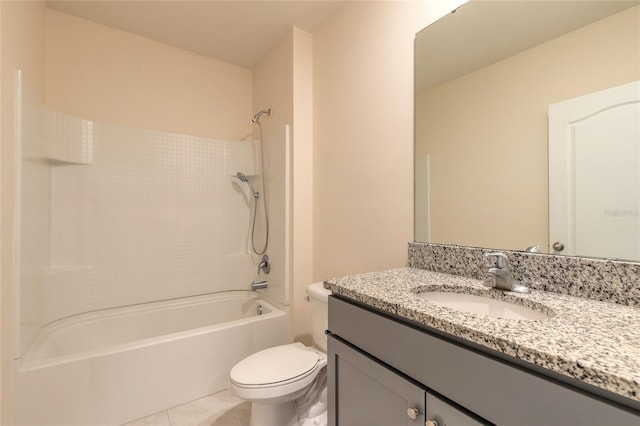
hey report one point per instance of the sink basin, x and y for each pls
(480, 305)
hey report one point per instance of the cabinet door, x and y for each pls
(363, 392)
(441, 413)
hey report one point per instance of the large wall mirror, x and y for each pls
(486, 77)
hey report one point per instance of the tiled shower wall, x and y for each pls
(113, 216)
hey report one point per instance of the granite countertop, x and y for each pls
(592, 341)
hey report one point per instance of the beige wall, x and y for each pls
(302, 194)
(363, 135)
(272, 82)
(360, 164)
(22, 40)
(121, 78)
(282, 82)
(108, 75)
(489, 184)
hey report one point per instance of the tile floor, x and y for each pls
(220, 409)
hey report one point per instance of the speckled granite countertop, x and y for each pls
(596, 342)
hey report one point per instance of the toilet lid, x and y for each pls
(274, 365)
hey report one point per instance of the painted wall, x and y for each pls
(112, 76)
(497, 161)
(22, 38)
(302, 191)
(272, 82)
(282, 82)
(362, 119)
(107, 75)
(363, 135)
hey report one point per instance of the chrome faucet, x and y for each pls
(264, 265)
(501, 276)
(259, 285)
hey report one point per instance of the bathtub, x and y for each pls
(113, 366)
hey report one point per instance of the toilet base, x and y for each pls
(319, 420)
(280, 414)
(283, 414)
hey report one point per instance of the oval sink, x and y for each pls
(481, 305)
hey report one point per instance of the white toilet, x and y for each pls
(287, 384)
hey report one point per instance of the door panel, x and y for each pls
(364, 392)
(445, 414)
(594, 173)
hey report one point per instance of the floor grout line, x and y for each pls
(221, 406)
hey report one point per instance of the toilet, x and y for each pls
(287, 384)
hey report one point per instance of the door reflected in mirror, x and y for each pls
(485, 78)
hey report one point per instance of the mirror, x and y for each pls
(485, 76)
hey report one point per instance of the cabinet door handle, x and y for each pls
(431, 423)
(412, 412)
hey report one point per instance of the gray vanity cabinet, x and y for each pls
(368, 393)
(381, 366)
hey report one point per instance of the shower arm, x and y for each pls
(256, 117)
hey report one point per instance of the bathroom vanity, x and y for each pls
(396, 358)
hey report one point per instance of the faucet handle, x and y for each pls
(264, 265)
(499, 259)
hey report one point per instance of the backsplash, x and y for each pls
(598, 279)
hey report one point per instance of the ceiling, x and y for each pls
(473, 36)
(237, 32)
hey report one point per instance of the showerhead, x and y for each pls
(243, 178)
(256, 117)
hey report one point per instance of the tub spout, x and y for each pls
(259, 285)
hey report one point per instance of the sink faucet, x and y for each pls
(501, 276)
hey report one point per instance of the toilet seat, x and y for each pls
(281, 371)
(273, 366)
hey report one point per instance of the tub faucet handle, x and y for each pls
(264, 265)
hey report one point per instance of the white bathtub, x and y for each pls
(114, 366)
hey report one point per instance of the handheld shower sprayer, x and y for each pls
(243, 178)
(255, 206)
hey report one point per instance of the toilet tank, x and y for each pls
(318, 298)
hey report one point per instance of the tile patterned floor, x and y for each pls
(220, 409)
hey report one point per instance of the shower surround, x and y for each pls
(113, 219)
(133, 216)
